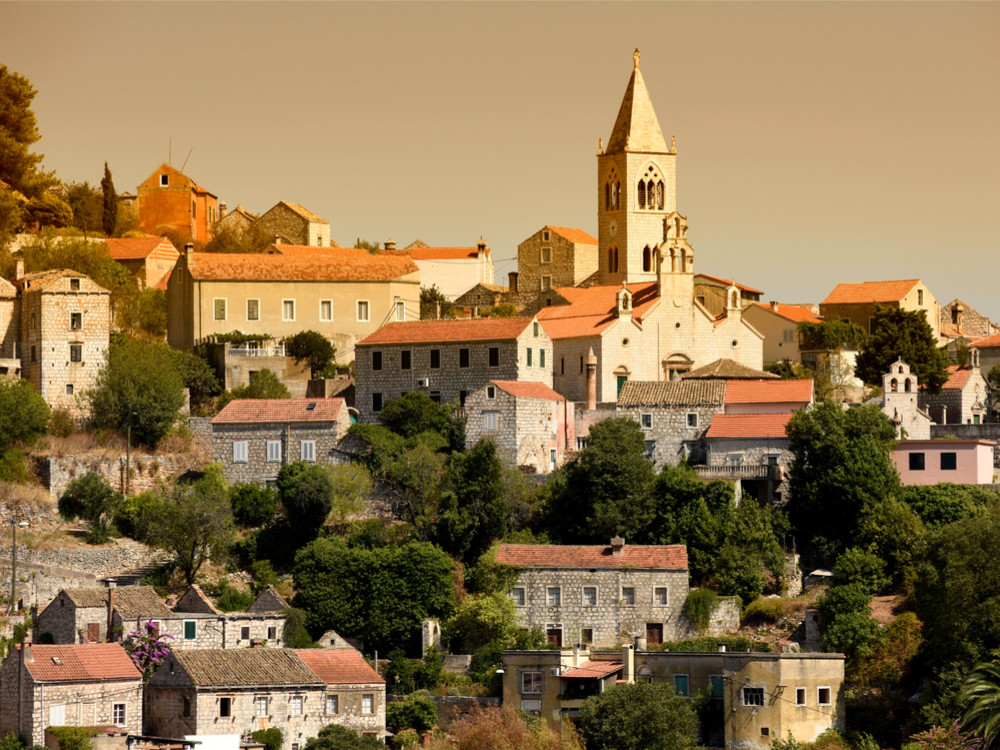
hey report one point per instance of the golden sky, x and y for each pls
(817, 142)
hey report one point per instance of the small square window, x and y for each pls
(494, 356)
(74, 285)
(647, 420)
(164, 180)
(800, 696)
(69, 389)
(190, 630)
(660, 596)
(518, 596)
(333, 704)
(76, 321)
(463, 357)
(531, 682)
(219, 308)
(376, 360)
(326, 310)
(949, 461)
(253, 309)
(273, 450)
(628, 595)
(692, 419)
(823, 696)
(288, 309)
(363, 313)
(435, 359)
(244, 633)
(916, 462)
(76, 352)
(240, 451)
(753, 696)
(405, 360)
(590, 596)
(308, 450)
(272, 633)
(491, 391)
(553, 596)
(376, 402)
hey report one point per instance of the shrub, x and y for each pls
(857, 566)
(231, 599)
(405, 739)
(708, 643)
(763, 610)
(416, 712)
(14, 466)
(61, 423)
(295, 633)
(253, 504)
(72, 738)
(91, 498)
(24, 414)
(134, 514)
(271, 738)
(698, 607)
(842, 600)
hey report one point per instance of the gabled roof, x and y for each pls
(271, 410)
(138, 248)
(957, 377)
(130, 601)
(332, 264)
(84, 662)
(243, 667)
(657, 557)
(727, 282)
(592, 310)
(525, 389)
(573, 235)
(672, 393)
(172, 170)
(439, 253)
(302, 211)
(636, 128)
(793, 313)
(988, 342)
(592, 670)
(447, 331)
(344, 666)
(268, 600)
(869, 291)
(769, 391)
(770, 426)
(42, 280)
(728, 369)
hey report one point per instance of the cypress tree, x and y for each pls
(110, 218)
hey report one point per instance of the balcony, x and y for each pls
(748, 471)
(257, 351)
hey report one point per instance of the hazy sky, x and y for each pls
(817, 142)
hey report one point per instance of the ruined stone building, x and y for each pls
(292, 224)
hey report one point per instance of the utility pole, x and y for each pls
(13, 563)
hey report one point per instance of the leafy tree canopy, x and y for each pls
(24, 415)
(312, 347)
(49, 210)
(905, 335)
(938, 505)
(254, 504)
(638, 716)
(263, 384)
(85, 202)
(414, 413)
(19, 167)
(416, 712)
(434, 304)
(91, 498)
(306, 492)
(337, 737)
(831, 335)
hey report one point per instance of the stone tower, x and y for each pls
(636, 189)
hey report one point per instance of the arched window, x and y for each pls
(659, 195)
(650, 189)
(611, 260)
(616, 260)
(682, 266)
(642, 194)
(607, 196)
(906, 385)
(618, 194)
(734, 297)
(893, 385)
(647, 259)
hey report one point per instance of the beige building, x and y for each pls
(711, 291)
(453, 270)
(345, 294)
(292, 224)
(762, 697)
(553, 257)
(855, 302)
(149, 259)
(779, 326)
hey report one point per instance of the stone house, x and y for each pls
(761, 697)
(149, 259)
(855, 302)
(712, 292)
(254, 438)
(673, 415)
(355, 693)
(83, 615)
(779, 324)
(343, 293)
(448, 359)
(238, 221)
(481, 296)
(531, 424)
(10, 329)
(171, 201)
(554, 257)
(952, 461)
(593, 594)
(900, 404)
(963, 399)
(292, 224)
(768, 396)
(198, 624)
(959, 320)
(751, 448)
(82, 685)
(453, 270)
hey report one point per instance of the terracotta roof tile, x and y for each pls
(769, 391)
(988, 342)
(440, 253)
(81, 662)
(869, 291)
(524, 389)
(431, 331)
(332, 264)
(244, 667)
(672, 393)
(792, 312)
(138, 248)
(592, 670)
(748, 426)
(573, 235)
(591, 310)
(268, 410)
(957, 377)
(343, 666)
(658, 557)
(727, 282)
(728, 369)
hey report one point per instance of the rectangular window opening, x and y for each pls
(253, 309)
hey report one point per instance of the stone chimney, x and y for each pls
(109, 634)
(774, 306)
(390, 244)
(188, 252)
(591, 363)
(628, 663)
(617, 546)
(512, 282)
(722, 648)
(481, 247)
(19, 273)
(222, 210)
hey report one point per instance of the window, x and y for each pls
(326, 310)
(681, 685)
(225, 706)
(239, 451)
(74, 285)
(650, 448)
(368, 703)
(164, 180)
(494, 356)
(541, 358)
(333, 704)
(272, 633)
(405, 360)
(190, 630)
(535, 327)
(462, 395)
(435, 396)
(800, 696)
(69, 389)
(628, 595)
(33, 321)
(920, 296)
(546, 255)
(260, 705)
(376, 402)
(788, 335)
(463, 357)
(562, 365)
(646, 420)
(660, 596)
(529, 356)
(118, 713)
(219, 308)
(753, 696)
(376, 360)
(76, 352)
(75, 321)
(244, 633)
(435, 359)
(715, 683)
(518, 596)
(590, 596)
(949, 461)
(400, 310)
(491, 391)
(823, 696)
(57, 715)
(531, 682)
(545, 235)
(490, 420)
(296, 706)
(307, 448)
(916, 462)
(273, 450)
(253, 309)
(692, 419)
(586, 636)
(288, 309)
(186, 711)
(546, 283)
(362, 311)
(553, 596)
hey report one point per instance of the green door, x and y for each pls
(621, 382)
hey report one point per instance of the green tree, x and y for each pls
(981, 696)
(254, 504)
(337, 737)
(143, 312)
(306, 492)
(295, 633)
(263, 384)
(416, 712)
(938, 505)
(638, 716)
(906, 335)
(109, 216)
(91, 498)
(351, 489)
(415, 413)
(607, 490)
(496, 728)
(19, 167)
(481, 618)
(858, 566)
(11, 221)
(271, 738)
(433, 304)
(85, 203)
(312, 347)
(48, 210)
(24, 415)
(199, 376)
(140, 386)
(194, 521)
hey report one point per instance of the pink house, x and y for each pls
(934, 461)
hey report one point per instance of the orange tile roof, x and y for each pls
(792, 312)
(727, 282)
(769, 426)
(869, 291)
(433, 331)
(81, 663)
(591, 310)
(268, 410)
(342, 666)
(769, 391)
(573, 235)
(332, 264)
(439, 253)
(957, 377)
(659, 557)
(524, 389)
(988, 342)
(138, 248)
(592, 670)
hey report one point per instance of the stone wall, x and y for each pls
(674, 440)
(257, 468)
(725, 620)
(146, 471)
(958, 405)
(990, 431)
(567, 265)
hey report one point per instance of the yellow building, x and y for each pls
(855, 302)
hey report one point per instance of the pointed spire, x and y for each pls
(636, 128)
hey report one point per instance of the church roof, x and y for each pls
(728, 369)
(636, 128)
(591, 310)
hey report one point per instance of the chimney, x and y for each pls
(222, 210)
(109, 634)
(774, 306)
(481, 247)
(188, 252)
(628, 663)
(390, 244)
(617, 546)
(640, 643)
(512, 282)
(591, 363)
(20, 268)
(277, 239)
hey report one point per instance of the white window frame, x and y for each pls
(328, 318)
(334, 701)
(367, 311)
(646, 421)
(260, 705)
(549, 591)
(804, 692)
(225, 308)
(692, 419)
(400, 309)
(622, 596)
(491, 421)
(541, 681)
(519, 593)
(284, 316)
(829, 695)
(368, 703)
(583, 596)
(307, 450)
(545, 255)
(255, 318)
(296, 705)
(241, 451)
(666, 596)
(123, 708)
(274, 451)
